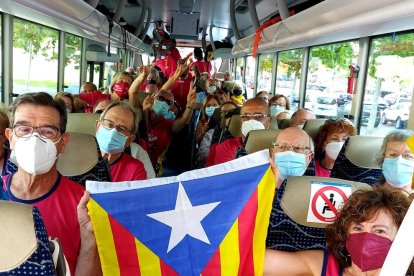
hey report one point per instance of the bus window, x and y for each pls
(327, 86)
(109, 73)
(390, 84)
(35, 57)
(73, 49)
(288, 76)
(146, 59)
(249, 78)
(264, 76)
(239, 69)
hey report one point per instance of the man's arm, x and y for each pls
(186, 117)
(88, 259)
(180, 69)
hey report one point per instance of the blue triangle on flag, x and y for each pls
(190, 256)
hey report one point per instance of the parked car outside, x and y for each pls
(326, 107)
(397, 114)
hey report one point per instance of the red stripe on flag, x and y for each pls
(247, 222)
(125, 249)
(166, 270)
(213, 267)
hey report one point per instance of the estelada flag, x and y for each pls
(211, 221)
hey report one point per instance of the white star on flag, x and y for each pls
(185, 219)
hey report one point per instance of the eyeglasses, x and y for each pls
(293, 147)
(266, 99)
(257, 117)
(278, 104)
(163, 99)
(395, 154)
(108, 124)
(47, 132)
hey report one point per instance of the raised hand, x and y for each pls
(148, 102)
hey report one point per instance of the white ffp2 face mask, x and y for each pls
(333, 148)
(35, 155)
(249, 125)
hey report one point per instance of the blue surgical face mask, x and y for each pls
(210, 110)
(169, 115)
(290, 163)
(160, 108)
(212, 89)
(274, 109)
(398, 171)
(110, 140)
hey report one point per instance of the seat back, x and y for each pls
(357, 161)
(82, 160)
(24, 242)
(235, 126)
(260, 139)
(285, 123)
(82, 123)
(312, 126)
(299, 215)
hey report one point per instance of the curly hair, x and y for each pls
(277, 96)
(330, 127)
(362, 206)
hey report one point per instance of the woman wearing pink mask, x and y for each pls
(357, 242)
(328, 143)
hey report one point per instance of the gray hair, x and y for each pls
(394, 136)
(126, 106)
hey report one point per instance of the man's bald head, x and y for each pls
(151, 89)
(302, 115)
(295, 136)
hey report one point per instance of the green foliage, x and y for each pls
(292, 58)
(36, 39)
(335, 56)
(266, 62)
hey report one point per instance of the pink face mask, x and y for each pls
(368, 251)
(121, 89)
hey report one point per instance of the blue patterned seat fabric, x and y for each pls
(345, 169)
(286, 234)
(40, 262)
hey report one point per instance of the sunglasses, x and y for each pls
(163, 99)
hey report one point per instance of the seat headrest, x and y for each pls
(80, 156)
(312, 126)
(285, 123)
(297, 195)
(235, 126)
(18, 237)
(363, 151)
(82, 123)
(260, 139)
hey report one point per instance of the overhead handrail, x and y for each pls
(233, 20)
(253, 13)
(149, 14)
(141, 18)
(119, 10)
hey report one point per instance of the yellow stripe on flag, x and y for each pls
(229, 251)
(104, 238)
(265, 193)
(149, 263)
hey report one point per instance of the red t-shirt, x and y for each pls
(58, 208)
(226, 151)
(159, 137)
(92, 98)
(168, 65)
(180, 90)
(203, 66)
(127, 168)
(321, 171)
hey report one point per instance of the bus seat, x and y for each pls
(273, 124)
(312, 127)
(260, 139)
(82, 123)
(24, 242)
(285, 123)
(289, 229)
(235, 126)
(357, 160)
(82, 160)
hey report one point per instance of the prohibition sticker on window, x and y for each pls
(327, 199)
